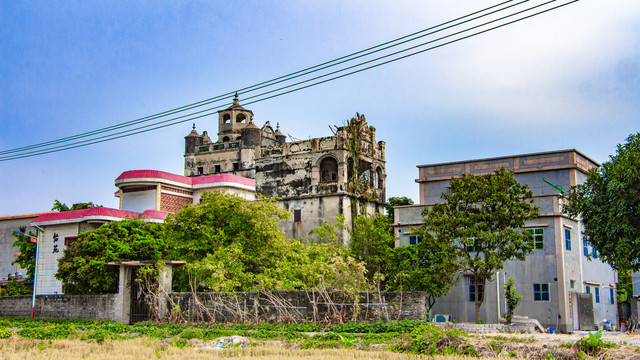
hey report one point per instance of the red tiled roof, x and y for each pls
(100, 212)
(208, 179)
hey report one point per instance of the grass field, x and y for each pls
(78, 339)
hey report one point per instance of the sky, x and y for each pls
(569, 78)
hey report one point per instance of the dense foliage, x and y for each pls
(480, 223)
(428, 266)
(372, 243)
(83, 268)
(59, 206)
(609, 204)
(231, 244)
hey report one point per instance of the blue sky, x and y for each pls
(567, 79)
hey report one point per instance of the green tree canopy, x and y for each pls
(480, 221)
(428, 266)
(609, 204)
(59, 206)
(226, 241)
(372, 243)
(83, 267)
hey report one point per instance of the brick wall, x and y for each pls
(173, 203)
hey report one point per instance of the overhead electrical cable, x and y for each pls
(260, 85)
(203, 113)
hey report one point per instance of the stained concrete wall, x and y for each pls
(254, 306)
(61, 307)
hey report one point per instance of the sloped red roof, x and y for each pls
(199, 180)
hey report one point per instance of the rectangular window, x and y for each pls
(538, 238)
(415, 239)
(585, 247)
(236, 166)
(216, 169)
(203, 148)
(297, 215)
(611, 296)
(541, 292)
(200, 170)
(70, 240)
(472, 289)
(588, 290)
(218, 147)
(234, 145)
(597, 294)
(567, 239)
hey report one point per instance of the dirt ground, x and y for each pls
(562, 346)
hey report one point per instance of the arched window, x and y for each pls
(350, 169)
(226, 118)
(226, 138)
(379, 178)
(240, 118)
(328, 170)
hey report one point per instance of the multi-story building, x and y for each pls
(315, 179)
(562, 266)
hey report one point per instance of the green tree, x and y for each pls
(372, 243)
(512, 298)
(428, 266)
(609, 204)
(27, 250)
(83, 267)
(480, 220)
(396, 201)
(58, 206)
(226, 240)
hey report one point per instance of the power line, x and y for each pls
(203, 113)
(280, 79)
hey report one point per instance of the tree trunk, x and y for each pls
(479, 296)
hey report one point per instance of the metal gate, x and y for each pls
(585, 312)
(139, 302)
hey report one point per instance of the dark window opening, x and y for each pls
(541, 292)
(218, 147)
(203, 148)
(236, 166)
(216, 169)
(350, 166)
(226, 118)
(23, 229)
(472, 289)
(241, 118)
(328, 170)
(70, 240)
(226, 138)
(297, 215)
(415, 239)
(379, 180)
(234, 145)
(200, 170)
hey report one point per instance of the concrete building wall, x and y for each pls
(8, 224)
(139, 201)
(49, 251)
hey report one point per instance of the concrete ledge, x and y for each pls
(489, 328)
